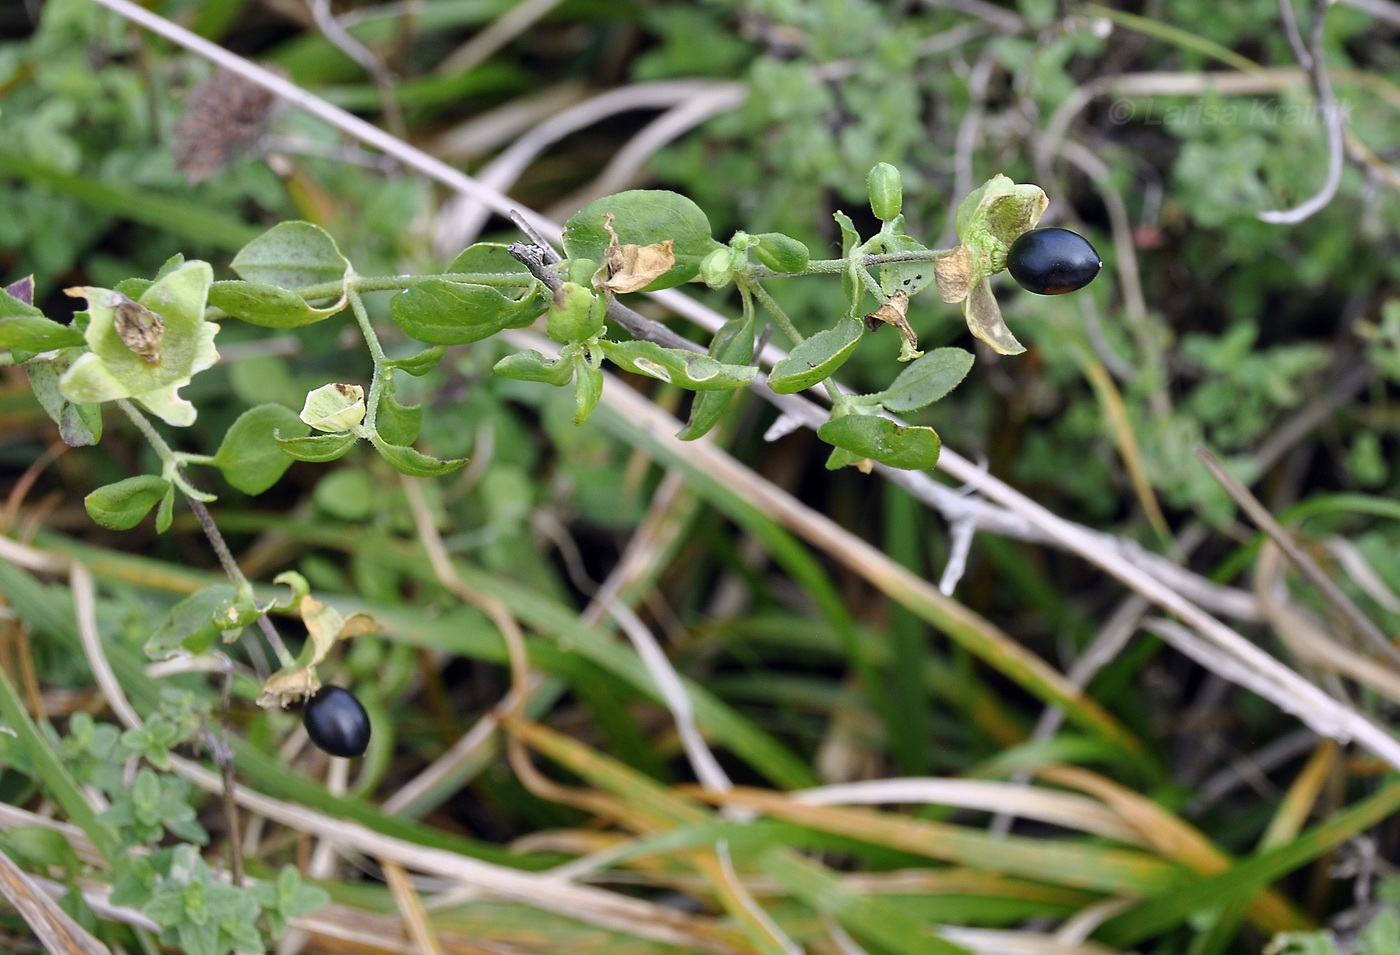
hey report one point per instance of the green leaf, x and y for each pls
(250, 455)
(451, 313)
(414, 463)
(644, 217)
(871, 436)
(530, 365)
(121, 506)
(269, 306)
(292, 255)
(24, 328)
(165, 514)
(193, 624)
(491, 257)
(396, 423)
(732, 344)
(420, 364)
(588, 388)
(79, 425)
(817, 358)
(685, 369)
(926, 380)
(908, 277)
(318, 448)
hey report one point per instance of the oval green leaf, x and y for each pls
(269, 306)
(412, 462)
(926, 380)
(292, 255)
(685, 369)
(530, 365)
(817, 358)
(439, 312)
(250, 455)
(121, 506)
(317, 448)
(644, 217)
(880, 439)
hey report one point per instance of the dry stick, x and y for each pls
(954, 506)
(1311, 59)
(1359, 623)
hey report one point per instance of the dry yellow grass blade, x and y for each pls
(1308, 640)
(1064, 863)
(1175, 839)
(1298, 802)
(53, 926)
(1062, 809)
(410, 909)
(1117, 413)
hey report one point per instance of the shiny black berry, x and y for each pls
(336, 722)
(1052, 261)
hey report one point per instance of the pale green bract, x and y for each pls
(989, 220)
(110, 369)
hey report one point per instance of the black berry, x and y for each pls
(336, 722)
(1052, 261)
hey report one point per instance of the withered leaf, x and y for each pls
(631, 268)
(139, 328)
(953, 270)
(895, 311)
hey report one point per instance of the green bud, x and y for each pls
(717, 268)
(781, 253)
(886, 191)
(575, 315)
(334, 407)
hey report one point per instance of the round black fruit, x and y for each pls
(1052, 261)
(336, 722)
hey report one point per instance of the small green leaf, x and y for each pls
(817, 358)
(491, 257)
(644, 217)
(926, 380)
(412, 462)
(781, 253)
(292, 255)
(685, 369)
(121, 506)
(79, 425)
(588, 388)
(396, 423)
(23, 331)
(317, 448)
(250, 455)
(165, 514)
(530, 365)
(193, 624)
(732, 344)
(420, 364)
(880, 439)
(908, 277)
(269, 306)
(439, 312)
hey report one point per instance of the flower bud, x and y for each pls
(334, 407)
(886, 191)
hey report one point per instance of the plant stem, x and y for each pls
(775, 311)
(206, 521)
(376, 353)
